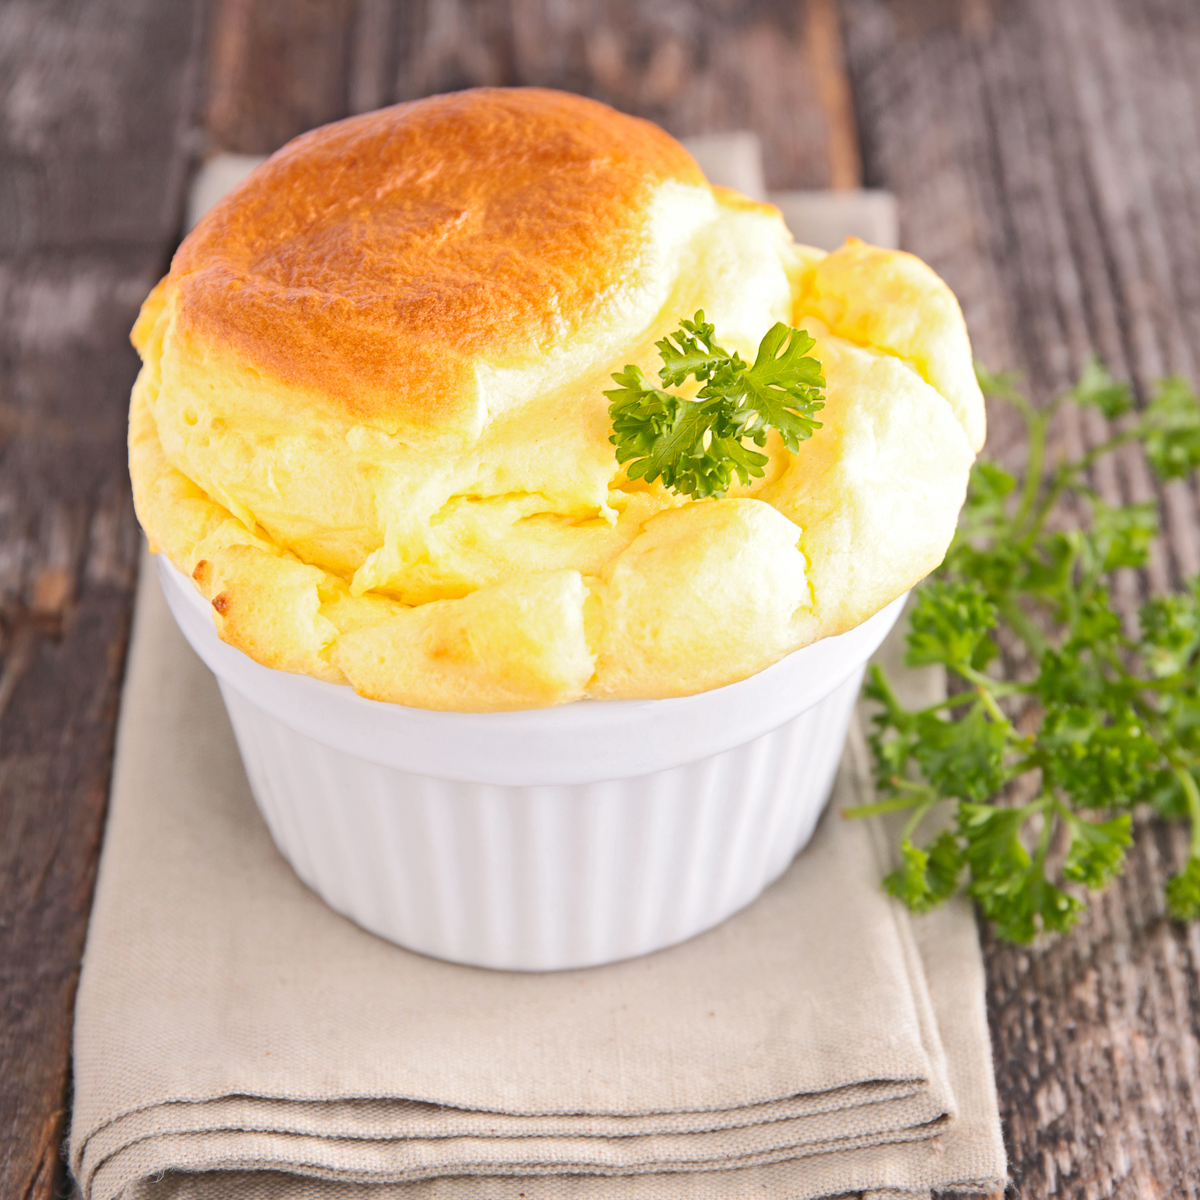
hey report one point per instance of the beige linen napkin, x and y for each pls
(236, 1037)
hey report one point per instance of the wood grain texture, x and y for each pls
(773, 66)
(1047, 161)
(275, 70)
(97, 102)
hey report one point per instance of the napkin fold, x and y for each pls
(236, 1037)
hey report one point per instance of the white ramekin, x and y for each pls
(546, 839)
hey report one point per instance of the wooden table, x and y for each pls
(1046, 154)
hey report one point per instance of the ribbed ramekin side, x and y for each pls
(810, 752)
(265, 746)
(542, 877)
(383, 847)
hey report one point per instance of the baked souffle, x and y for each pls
(371, 421)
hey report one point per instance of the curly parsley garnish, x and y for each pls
(697, 446)
(1044, 769)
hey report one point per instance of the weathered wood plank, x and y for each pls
(774, 67)
(1045, 156)
(97, 102)
(691, 68)
(276, 68)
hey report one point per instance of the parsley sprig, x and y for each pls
(1044, 769)
(698, 446)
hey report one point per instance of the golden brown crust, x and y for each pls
(371, 263)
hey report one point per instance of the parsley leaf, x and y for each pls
(927, 876)
(1172, 435)
(949, 624)
(698, 446)
(1121, 536)
(1183, 892)
(1098, 389)
(962, 757)
(1011, 886)
(1097, 850)
(1170, 633)
(1103, 714)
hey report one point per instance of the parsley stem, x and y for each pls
(884, 685)
(1002, 389)
(1069, 474)
(957, 700)
(1176, 684)
(1036, 423)
(1096, 453)
(1045, 800)
(1192, 795)
(910, 785)
(989, 702)
(1023, 626)
(1150, 718)
(1056, 403)
(910, 826)
(1046, 807)
(1057, 485)
(994, 687)
(896, 804)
